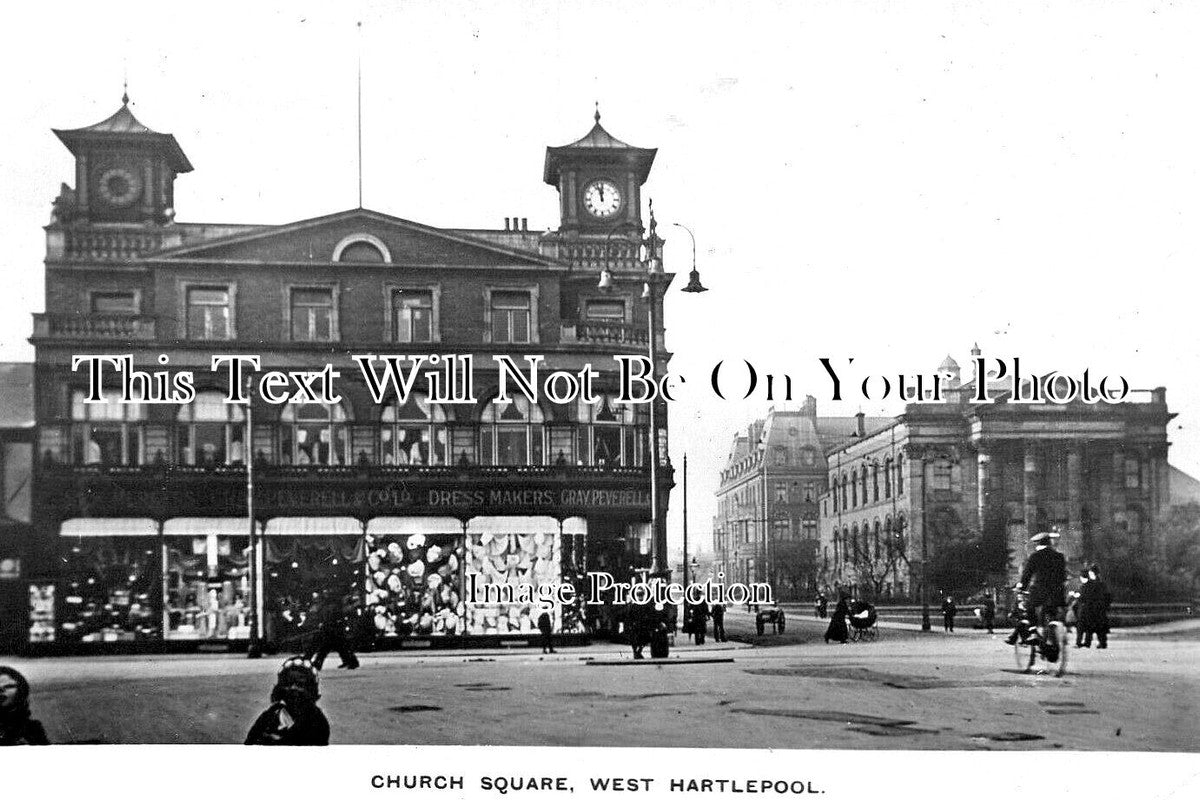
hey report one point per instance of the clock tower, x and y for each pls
(599, 180)
(124, 172)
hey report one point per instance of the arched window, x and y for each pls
(512, 433)
(854, 488)
(864, 484)
(834, 488)
(878, 551)
(854, 542)
(875, 482)
(611, 434)
(108, 433)
(845, 492)
(887, 537)
(899, 474)
(887, 478)
(413, 433)
(362, 248)
(210, 432)
(314, 433)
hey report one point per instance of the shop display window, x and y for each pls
(512, 558)
(298, 569)
(208, 587)
(315, 434)
(512, 434)
(112, 590)
(108, 433)
(414, 585)
(211, 432)
(611, 434)
(413, 433)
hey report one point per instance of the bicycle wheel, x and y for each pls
(1057, 631)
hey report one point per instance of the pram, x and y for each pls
(862, 622)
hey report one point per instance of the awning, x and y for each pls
(478, 525)
(406, 526)
(576, 526)
(313, 526)
(108, 526)
(204, 526)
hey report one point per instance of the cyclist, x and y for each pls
(1044, 578)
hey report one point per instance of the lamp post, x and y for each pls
(685, 521)
(654, 277)
(254, 647)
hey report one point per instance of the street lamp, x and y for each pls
(654, 277)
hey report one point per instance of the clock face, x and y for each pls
(118, 187)
(602, 199)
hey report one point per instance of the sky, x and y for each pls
(865, 180)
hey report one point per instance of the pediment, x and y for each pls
(333, 238)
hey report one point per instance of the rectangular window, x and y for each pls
(413, 315)
(114, 303)
(510, 317)
(208, 312)
(605, 311)
(781, 492)
(312, 315)
(810, 528)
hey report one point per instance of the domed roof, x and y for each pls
(949, 365)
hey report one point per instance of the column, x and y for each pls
(1116, 490)
(983, 470)
(1031, 488)
(1072, 542)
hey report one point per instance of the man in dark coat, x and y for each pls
(700, 621)
(718, 618)
(949, 612)
(989, 612)
(1094, 600)
(328, 617)
(546, 628)
(1044, 577)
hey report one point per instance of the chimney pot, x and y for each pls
(524, 223)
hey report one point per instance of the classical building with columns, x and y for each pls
(949, 471)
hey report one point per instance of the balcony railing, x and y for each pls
(109, 245)
(604, 333)
(119, 327)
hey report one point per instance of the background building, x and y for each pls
(16, 491)
(766, 527)
(953, 491)
(141, 531)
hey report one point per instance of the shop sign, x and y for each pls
(390, 499)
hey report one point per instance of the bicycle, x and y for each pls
(1051, 644)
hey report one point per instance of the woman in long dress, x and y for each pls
(838, 631)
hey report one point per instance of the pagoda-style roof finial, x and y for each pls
(597, 115)
(125, 93)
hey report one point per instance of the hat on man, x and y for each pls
(1044, 537)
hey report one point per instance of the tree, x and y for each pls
(964, 560)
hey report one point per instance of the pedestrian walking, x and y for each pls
(822, 605)
(636, 627)
(1074, 608)
(546, 627)
(293, 718)
(838, 630)
(329, 618)
(17, 725)
(1094, 602)
(949, 611)
(718, 618)
(700, 621)
(989, 612)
